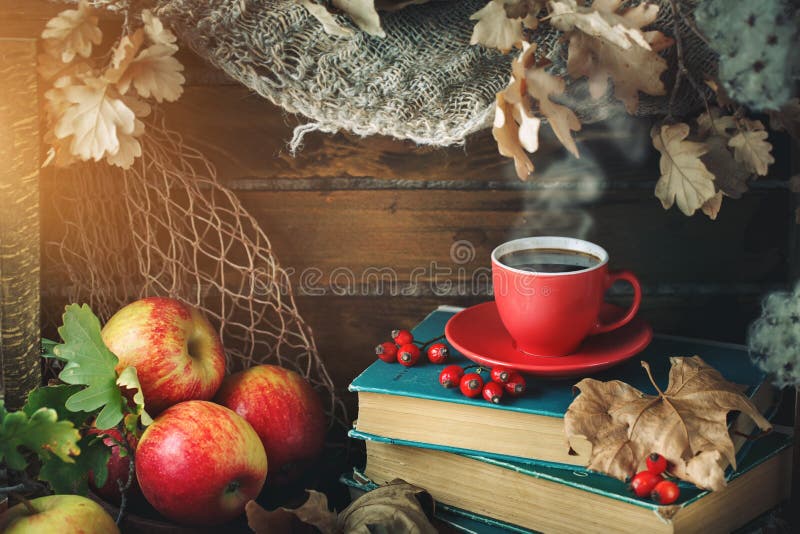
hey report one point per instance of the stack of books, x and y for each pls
(509, 466)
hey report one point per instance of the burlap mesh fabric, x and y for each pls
(422, 82)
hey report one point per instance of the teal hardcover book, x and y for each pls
(407, 404)
(546, 498)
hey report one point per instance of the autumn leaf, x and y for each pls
(686, 423)
(684, 180)
(751, 148)
(124, 54)
(313, 512)
(74, 31)
(526, 10)
(156, 31)
(363, 14)
(155, 73)
(329, 23)
(41, 432)
(601, 21)
(541, 85)
(495, 29)
(506, 132)
(729, 176)
(633, 68)
(394, 508)
(712, 206)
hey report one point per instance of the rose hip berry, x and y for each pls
(493, 392)
(471, 384)
(500, 375)
(450, 376)
(643, 483)
(515, 385)
(408, 354)
(656, 463)
(438, 353)
(665, 492)
(387, 351)
(402, 337)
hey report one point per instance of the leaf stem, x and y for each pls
(650, 376)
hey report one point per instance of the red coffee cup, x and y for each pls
(549, 291)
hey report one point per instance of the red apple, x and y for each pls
(64, 514)
(199, 463)
(118, 467)
(177, 353)
(286, 413)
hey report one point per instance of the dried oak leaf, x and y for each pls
(93, 119)
(314, 512)
(363, 14)
(495, 29)
(541, 85)
(684, 180)
(751, 148)
(600, 20)
(634, 68)
(74, 31)
(686, 423)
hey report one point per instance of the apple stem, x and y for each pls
(21, 498)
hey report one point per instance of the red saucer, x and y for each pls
(479, 334)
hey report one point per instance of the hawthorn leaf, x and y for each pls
(363, 14)
(73, 477)
(686, 423)
(93, 118)
(89, 363)
(684, 180)
(74, 31)
(541, 85)
(599, 20)
(632, 69)
(751, 148)
(495, 29)
(41, 433)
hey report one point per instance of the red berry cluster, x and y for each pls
(472, 384)
(651, 483)
(403, 349)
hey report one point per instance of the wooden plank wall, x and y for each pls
(350, 205)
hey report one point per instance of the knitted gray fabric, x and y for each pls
(423, 81)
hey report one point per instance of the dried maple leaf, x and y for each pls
(541, 85)
(633, 68)
(684, 178)
(751, 148)
(686, 423)
(363, 14)
(74, 31)
(394, 508)
(94, 116)
(599, 20)
(495, 29)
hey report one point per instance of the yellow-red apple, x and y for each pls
(177, 353)
(64, 514)
(199, 463)
(286, 413)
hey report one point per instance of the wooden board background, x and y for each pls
(349, 204)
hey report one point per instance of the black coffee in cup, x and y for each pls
(549, 260)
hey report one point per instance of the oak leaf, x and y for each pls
(633, 68)
(715, 122)
(684, 180)
(751, 148)
(600, 20)
(495, 29)
(155, 29)
(541, 85)
(155, 73)
(686, 423)
(95, 116)
(74, 31)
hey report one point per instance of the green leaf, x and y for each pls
(55, 397)
(89, 363)
(74, 477)
(129, 381)
(41, 433)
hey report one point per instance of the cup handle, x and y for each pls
(629, 277)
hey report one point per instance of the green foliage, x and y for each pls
(40, 432)
(73, 477)
(55, 397)
(128, 381)
(89, 363)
